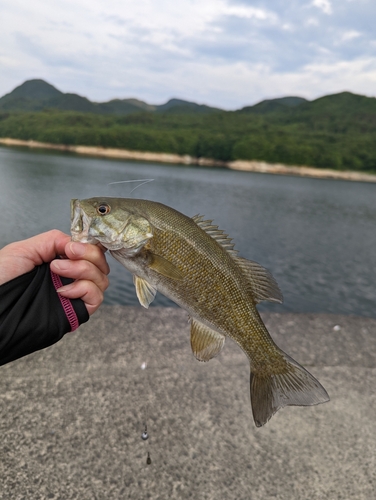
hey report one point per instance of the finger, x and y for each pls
(22, 256)
(92, 253)
(47, 245)
(80, 270)
(86, 291)
(41, 248)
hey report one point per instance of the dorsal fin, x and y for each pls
(263, 285)
(217, 234)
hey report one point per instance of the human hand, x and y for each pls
(86, 264)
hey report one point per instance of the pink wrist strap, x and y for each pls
(66, 303)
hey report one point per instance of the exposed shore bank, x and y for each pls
(244, 165)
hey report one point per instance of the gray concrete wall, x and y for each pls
(71, 416)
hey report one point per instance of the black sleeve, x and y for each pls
(33, 316)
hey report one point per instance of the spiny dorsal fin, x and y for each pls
(205, 342)
(217, 234)
(263, 285)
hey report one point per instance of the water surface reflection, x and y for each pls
(316, 236)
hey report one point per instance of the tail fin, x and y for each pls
(293, 386)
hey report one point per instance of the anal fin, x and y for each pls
(205, 342)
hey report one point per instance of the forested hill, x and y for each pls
(38, 95)
(336, 131)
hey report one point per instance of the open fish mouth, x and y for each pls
(80, 224)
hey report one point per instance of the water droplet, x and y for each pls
(144, 436)
(148, 460)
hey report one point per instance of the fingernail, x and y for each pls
(65, 288)
(60, 265)
(78, 249)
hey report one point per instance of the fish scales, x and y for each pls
(218, 296)
(193, 263)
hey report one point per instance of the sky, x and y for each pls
(224, 53)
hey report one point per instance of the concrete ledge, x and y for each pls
(71, 416)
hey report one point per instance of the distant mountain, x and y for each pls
(34, 90)
(180, 106)
(29, 96)
(335, 131)
(272, 105)
(344, 102)
(38, 95)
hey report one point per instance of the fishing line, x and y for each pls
(147, 398)
(145, 402)
(142, 181)
(145, 434)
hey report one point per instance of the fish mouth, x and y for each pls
(80, 223)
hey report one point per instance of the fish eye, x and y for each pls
(103, 209)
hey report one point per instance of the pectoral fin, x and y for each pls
(205, 342)
(145, 291)
(163, 266)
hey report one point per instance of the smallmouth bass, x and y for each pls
(194, 264)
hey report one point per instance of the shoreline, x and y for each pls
(241, 165)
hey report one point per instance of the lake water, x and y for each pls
(317, 237)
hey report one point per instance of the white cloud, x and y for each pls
(228, 53)
(350, 35)
(324, 5)
(247, 12)
(312, 21)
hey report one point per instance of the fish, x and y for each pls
(194, 263)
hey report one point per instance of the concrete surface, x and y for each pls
(71, 416)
